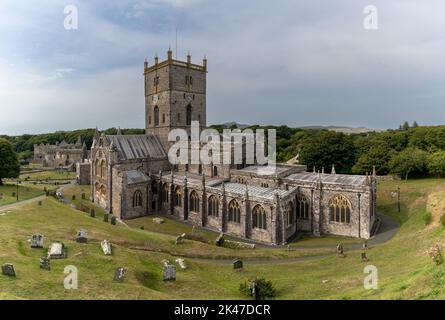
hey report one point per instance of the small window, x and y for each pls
(149, 119)
(163, 118)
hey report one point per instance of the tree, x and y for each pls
(415, 124)
(328, 148)
(405, 126)
(436, 163)
(9, 162)
(411, 160)
(378, 155)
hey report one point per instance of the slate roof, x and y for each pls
(254, 191)
(135, 177)
(340, 179)
(131, 147)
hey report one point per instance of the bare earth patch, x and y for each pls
(436, 205)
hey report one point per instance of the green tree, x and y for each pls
(328, 148)
(409, 161)
(436, 163)
(9, 162)
(405, 125)
(415, 124)
(378, 155)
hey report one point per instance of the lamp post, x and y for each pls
(17, 193)
(398, 199)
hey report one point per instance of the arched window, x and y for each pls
(156, 115)
(194, 202)
(188, 117)
(178, 197)
(289, 214)
(98, 168)
(215, 171)
(234, 211)
(137, 199)
(302, 207)
(103, 190)
(213, 206)
(259, 217)
(165, 193)
(340, 209)
(200, 169)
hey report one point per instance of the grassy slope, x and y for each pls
(25, 193)
(405, 271)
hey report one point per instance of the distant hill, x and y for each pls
(346, 130)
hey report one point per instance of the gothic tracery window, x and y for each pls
(188, 117)
(340, 209)
(165, 193)
(178, 197)
(156, 116)
(289, 214)
(213, 206)
(137, 199)
(234, 211)
(302, 207)
(259, 217)
(194, 202)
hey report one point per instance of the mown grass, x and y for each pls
(404, 269)
(47, 175)
(25, 192)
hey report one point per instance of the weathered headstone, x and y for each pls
(364, 257)
(158, 220)
(180, 239)
(92, 213)
(106, 247)
(73, 197)
(82, 236)
(119, 274)
(36, 241)
(40, 203)
(340, 250)
(83, 196)
(45, 263)
(57, 250)
(13, 194)
(237, 264)
(220, 240)
(8, 269)
(169, 273)
(106, 217)
(113, 220)
(181, 263)
(255, 290)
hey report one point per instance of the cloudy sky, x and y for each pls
(270, 62)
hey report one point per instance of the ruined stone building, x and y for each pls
(131, 175)
(61, 154)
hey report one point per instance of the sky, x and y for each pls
(291, 62)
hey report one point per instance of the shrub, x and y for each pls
(427, 218)
(265, 288)
(435, 254)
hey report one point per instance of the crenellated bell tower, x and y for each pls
(175, 95)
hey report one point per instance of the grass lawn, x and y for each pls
(25, 192)
(48, 175)
(404, 269)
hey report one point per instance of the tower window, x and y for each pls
(163, 118)
(189, 115)
(149, 119)
(156, 115)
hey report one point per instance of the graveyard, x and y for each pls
(310, 270)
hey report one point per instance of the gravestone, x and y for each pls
(181, 263)
(13, 194)
(73, 197)
(169, 273)
(180, 239)
(255, 290)
(237, 264)
(1, 196)
(113, 220)
(364, 257)
(106, 217)
(158, 220)
(92, 213)
(220, 240)
(82, 236)
(106, 247)
(340, 250)
(40, 203)
(119, 274)
(36, 241)
(365, 245)
(45, 263)
(57, 250)
(83, 196)
(8, 269)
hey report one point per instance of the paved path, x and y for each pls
(387, 230)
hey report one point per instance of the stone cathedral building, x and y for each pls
(131, 175)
